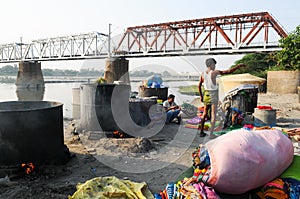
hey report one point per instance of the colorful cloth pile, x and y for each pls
(194, 123)
(280, 188)
(189, 188)
(194, 187)
(293, 187)
(251, 127)
(274, 189)
(201, 158)
(294, 133)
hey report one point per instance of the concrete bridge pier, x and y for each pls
(30, 75)
(30, 82)
(116, 69)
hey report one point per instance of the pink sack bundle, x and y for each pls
(242, 160)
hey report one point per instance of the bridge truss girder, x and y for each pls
(80, 46)
(224, 34)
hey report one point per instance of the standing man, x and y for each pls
(172, 109)
(210, 96)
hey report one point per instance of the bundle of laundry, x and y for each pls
(243, 160)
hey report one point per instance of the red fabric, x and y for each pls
(248, 126)
(265, 107)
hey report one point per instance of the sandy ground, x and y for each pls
(157, 160)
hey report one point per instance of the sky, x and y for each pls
(37, 19)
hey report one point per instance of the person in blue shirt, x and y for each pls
(172, 109)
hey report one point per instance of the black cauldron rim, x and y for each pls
(8, 106)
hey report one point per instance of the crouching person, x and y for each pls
(172, 109)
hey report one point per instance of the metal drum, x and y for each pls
(32, 131)
(103, 104)
(264, 117)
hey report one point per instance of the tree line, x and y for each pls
(9, 70)
(146, 73)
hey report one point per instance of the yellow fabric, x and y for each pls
(276, 193)
(272, 192)
(111, 187)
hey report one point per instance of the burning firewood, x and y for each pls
(28, 167)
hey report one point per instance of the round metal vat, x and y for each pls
(103, 104)
(32, 131)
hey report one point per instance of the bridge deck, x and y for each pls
(234, 34)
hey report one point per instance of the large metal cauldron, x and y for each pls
(103, 104)
(32, 131)
(138, 109)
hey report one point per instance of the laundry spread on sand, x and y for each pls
(111, 187)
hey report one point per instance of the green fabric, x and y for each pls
(294, 169)
(222, 132)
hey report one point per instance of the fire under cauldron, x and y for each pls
(32, 131)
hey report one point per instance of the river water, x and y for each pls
(62, 92)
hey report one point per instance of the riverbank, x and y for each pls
(94, 155)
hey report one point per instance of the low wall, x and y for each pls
(283, 82)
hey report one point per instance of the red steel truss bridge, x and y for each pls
(232, 34)
(242, 33)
